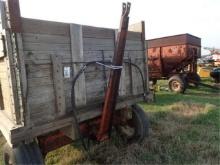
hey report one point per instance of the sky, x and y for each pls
(162, 17)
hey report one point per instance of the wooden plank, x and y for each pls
(24, 108)
(122, 85)
(45, 27)
(133, 45)
(134, 36)
(137, 54)
(36, 82)
(28, 46)
(140, 27)
(77, 55)
(98, 44)
(58, 84)
(96, 32)
(96, 55)
(45, 38)
(37, 68)
(14, 102)
(44, 57)
(43, 73)
(43, 92)
(134, 78)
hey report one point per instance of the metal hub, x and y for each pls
(175, 85)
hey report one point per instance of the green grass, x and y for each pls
(184, 129)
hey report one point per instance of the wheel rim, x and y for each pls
(129, 130)
(175, 85)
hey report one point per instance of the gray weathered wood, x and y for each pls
(48, 47)
(77, 55)
(24, 108)
(3, 15)
(98, 44)
(45, 38)
(95, 32)
(58, 84)
(45, 27)
(140, 27)
(28, 46)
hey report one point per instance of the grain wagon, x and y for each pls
(174, 58)
(40, 109)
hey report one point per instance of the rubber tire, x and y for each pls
(194, 77)
(180, 80)
(23, 154)
(141, 125)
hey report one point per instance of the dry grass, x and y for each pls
(176, 137)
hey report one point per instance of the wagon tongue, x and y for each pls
(114, 78)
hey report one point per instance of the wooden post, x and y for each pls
(58, 84)
(140, 27)
(77, 56)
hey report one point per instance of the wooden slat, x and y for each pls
(36, 82)
(95, 32)
(44, 57)
(45, 38)
(133, 45)
(122, 86)
(96, 55)
(14, 101)
(45, 27)
(24, 108)
(98, 44)
(43, 92)
(134, 36)
(28, 46)
(140, 27)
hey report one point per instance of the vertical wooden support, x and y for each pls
(11, 61)
(135, 77)
(58, 84)
(77, 56)
(24, 110)
(122, 85)
(140, 27)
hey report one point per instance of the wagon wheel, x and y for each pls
(177, 84)
(24, 154)
(136, 128)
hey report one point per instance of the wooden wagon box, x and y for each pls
(38, 61)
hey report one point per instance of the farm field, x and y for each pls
(184, 129)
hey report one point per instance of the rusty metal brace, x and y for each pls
(114, 78)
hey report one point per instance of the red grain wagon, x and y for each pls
(174, 58)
